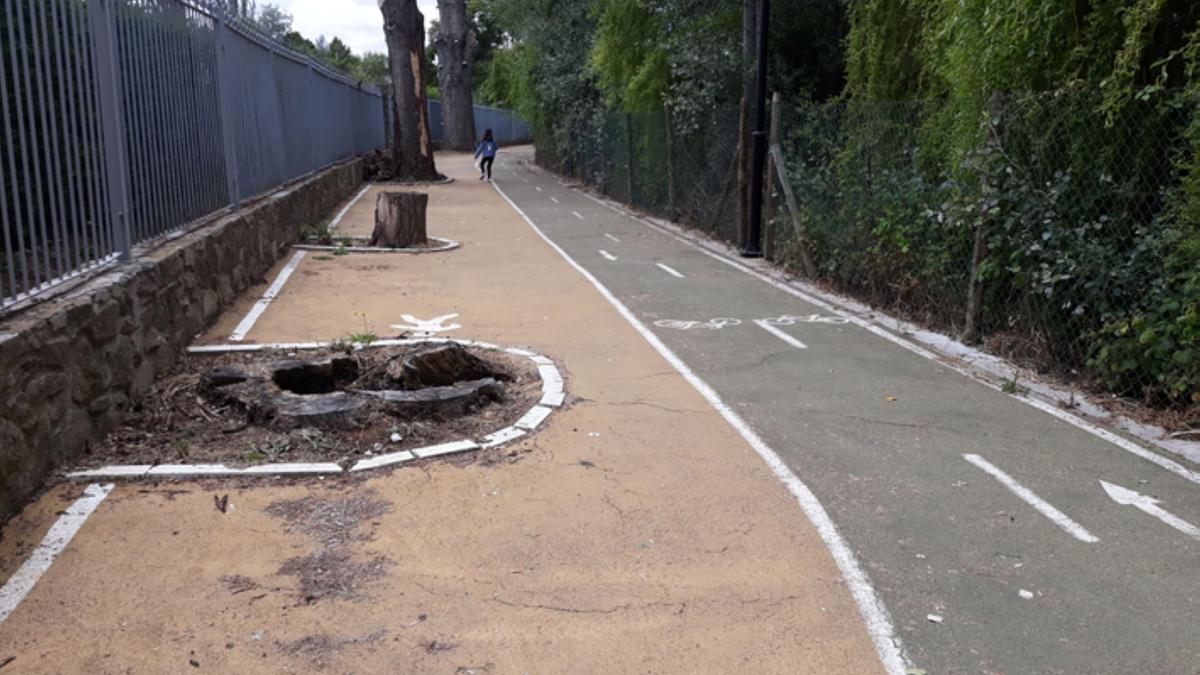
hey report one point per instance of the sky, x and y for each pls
(357, 22)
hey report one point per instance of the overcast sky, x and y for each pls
(357, 22)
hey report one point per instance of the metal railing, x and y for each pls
(124, 120)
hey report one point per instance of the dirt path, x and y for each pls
(637, 532)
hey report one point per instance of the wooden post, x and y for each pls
(772, 170)
(806, 263)
(400, 219)
(971, 329)
(743, 171)
(670, 165)
(629, 159)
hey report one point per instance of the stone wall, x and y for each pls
(71, 367)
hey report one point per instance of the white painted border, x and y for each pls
(64, 529)
(337, 220)
(553, 397)
(986, 369)
(261, 305)
(878, 621)
(447, 245)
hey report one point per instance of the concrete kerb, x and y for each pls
(553, 396)
(1072, 406)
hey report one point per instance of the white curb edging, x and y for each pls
(553, 397)
(447, 245)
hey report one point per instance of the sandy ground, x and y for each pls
(636, 532)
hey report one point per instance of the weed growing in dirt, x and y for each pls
(267, 452)
(367, 336)
(320, 234)
(1011, 386)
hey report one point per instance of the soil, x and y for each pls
(177, 423)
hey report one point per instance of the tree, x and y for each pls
(412, 150)
(455, 43)
(340, 57)
(273, 21)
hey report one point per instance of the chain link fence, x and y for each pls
(124, 120)
(1051, 229)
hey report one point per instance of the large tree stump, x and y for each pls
(400, 219)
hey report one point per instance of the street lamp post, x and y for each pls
(752, 248)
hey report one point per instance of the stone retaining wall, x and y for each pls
(71, 367)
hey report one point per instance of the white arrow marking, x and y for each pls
(761, 323)
(669, 270)
(1026, 495)
(434, 325)
(608, 256)
(1127, 497)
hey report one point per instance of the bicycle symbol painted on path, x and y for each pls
(712, 324)
(789, 320)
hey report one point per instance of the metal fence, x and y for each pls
(124, 120)
(1056, 232)
(506, 126)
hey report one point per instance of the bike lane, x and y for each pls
(982, 521)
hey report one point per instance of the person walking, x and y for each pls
(487, 149)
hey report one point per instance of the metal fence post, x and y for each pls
(112, 121)
(226, 106)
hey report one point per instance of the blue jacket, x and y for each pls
(487, 149)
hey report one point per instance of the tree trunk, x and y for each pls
(399, 219)
(971, 333)
(455, 45)
(412, 150)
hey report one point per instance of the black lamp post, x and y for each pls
(752, 247)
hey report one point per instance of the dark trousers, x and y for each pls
(485, 166)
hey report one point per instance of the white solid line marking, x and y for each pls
(609, 236)
(554, 199)
(1048, 408)
(576, 214)
(60, 534)
(761, 323)
(669, 270)
(875, 615)
(1026, 495)
(337, 220)
(608, 256)
(259, 307)
(1150, 506)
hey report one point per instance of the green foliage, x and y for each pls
(629, 57)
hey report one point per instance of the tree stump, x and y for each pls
(400, 219)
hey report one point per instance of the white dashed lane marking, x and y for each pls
(670, 270)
